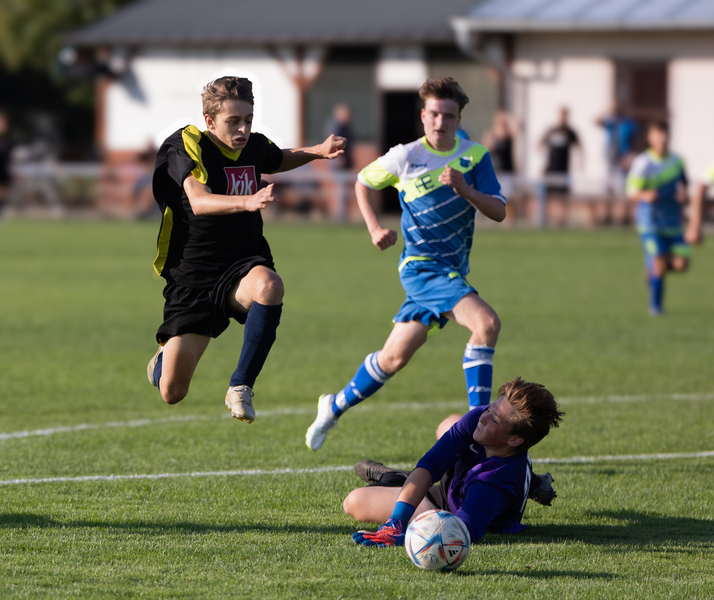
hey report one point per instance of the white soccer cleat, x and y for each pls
(152, 365)
(326, 420)
(239, 400)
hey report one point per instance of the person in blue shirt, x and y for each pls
(443, 180)
(479, 470)
(622, 134)
(657, 182)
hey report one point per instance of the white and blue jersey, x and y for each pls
(437, 224)
(652, 172)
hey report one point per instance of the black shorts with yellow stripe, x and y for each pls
(205, 311)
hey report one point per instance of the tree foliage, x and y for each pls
(31, 31)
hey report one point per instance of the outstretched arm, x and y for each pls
(293, 158)
(410, 497)
(381, 237)
(204, 202)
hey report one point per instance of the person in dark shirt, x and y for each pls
(558, 141)
(499, 140)
(211, 250)
(480, 464)
(341, 126)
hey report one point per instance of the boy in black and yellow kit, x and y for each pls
(211, 248)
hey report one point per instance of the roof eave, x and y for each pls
(472, 24)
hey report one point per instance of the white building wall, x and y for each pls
(584, 85)
(691, 102)
(162, 92)
(577, 70)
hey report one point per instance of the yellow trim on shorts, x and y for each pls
(684, 250)
(409, 259)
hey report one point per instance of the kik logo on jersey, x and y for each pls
(241, 181)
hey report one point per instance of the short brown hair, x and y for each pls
(659, 124)
(225, 88)
(444, 88)
(536, 410)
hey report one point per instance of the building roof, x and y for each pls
(587, 15)
(253, 22)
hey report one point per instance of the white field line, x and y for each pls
(310, 411)
(288, 471)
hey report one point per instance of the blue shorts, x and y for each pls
(431, 291)
(660, 244)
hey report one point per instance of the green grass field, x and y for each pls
(106, 491)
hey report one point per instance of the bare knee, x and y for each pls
(351, 505)
(269, 289)
(491, 325)
(173, 392)
(446, 424)
(680, 264)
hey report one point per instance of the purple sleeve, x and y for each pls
(444, 454)
(483, 503)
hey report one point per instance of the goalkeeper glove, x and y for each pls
(391, 533)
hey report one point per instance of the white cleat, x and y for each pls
(239, 400)
(326, 420)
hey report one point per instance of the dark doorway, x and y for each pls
(641, 91)
(402, 124)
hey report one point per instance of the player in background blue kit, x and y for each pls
(481, 462)
(442, 181)
(658, 183)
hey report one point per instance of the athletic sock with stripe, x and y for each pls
(478, 368)
(367, 380)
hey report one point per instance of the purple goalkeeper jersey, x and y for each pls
(487, 494)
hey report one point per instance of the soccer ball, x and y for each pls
(437, 541)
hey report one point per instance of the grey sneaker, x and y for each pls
(239, 400)
(325, 420)
(541, 490)
(152, 365)
(374, 472)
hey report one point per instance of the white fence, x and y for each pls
(62, 188)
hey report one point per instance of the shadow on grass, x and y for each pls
(31, 520)
(629, 529)
(537, 574)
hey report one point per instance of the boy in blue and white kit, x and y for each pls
(658, 183)
(442, 181)
(479, 470)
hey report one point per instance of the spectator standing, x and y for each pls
(558, 141)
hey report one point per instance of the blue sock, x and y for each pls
(656, 292)
(478, 368)
(258, 337)
(157, 369)
(367, 380)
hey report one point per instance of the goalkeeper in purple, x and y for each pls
(480, 465)
(442, 181)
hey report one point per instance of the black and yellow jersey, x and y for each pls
(194, 251)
